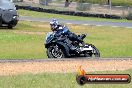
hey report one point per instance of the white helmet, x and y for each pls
(54, 24)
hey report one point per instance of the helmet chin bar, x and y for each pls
(54, 24)
(54, 27)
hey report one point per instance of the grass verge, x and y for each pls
(58, 16)
(26, 41)
(56, 80)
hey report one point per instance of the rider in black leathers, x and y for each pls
(63, 30)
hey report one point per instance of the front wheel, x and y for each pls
(55, 52)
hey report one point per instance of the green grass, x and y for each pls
(21, 46)
(56, 80)
(26, 41)
(58, 16)
(114, 2)
(122, 2)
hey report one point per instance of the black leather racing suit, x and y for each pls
(63, 30)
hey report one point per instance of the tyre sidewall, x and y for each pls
(49, 54)
(7, 16)
(97, 53)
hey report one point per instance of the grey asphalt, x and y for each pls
(64, 59)
(97, 23)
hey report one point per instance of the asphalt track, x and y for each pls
(97, 23)
(64, 59)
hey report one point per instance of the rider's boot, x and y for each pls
(82, 36)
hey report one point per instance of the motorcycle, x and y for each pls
(63, 47)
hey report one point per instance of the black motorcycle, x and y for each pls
(63, 47)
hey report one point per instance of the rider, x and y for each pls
(63, 30)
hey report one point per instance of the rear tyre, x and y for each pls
(7, 16)
(55, 52)
(10, 27)
(96, 52)
(87, 54)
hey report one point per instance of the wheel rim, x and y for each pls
(7, 17)
(57, 52)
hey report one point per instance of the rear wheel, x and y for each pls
(10, 26)
(87, 54)
(55, 52)
(7, 16)
(95, 52)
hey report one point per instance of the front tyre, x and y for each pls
(55, 52)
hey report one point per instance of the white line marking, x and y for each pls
(115, 26)
(68, 23)
(85, 24)
(99, 25)
(128, 27)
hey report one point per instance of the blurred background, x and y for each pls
(121, 8)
